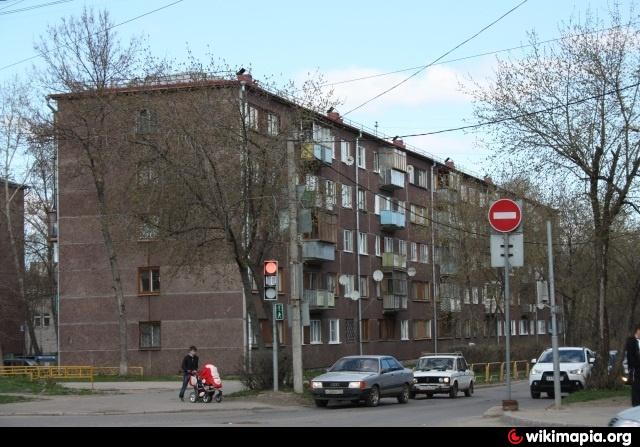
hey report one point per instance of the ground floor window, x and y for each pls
(149, 334)
(404, 330)
(315, 333)
(334, 331)
(351, 330)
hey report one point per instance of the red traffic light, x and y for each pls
(270, 267)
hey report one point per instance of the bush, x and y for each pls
(496, 353)
(260, 375)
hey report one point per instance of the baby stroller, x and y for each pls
(207, 385)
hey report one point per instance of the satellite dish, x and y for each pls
(349, 160)
(411, 271)
(355, 295)
(377, 276)
(541, 306)
(343, 280)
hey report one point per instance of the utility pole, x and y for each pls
(554, 324)
(507, 315)
(294, 268)
(357, 281)
(433, 266)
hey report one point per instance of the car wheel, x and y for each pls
(469, 391)
(535, 394)
(454, 390)
(206, 398)
(429, 395)
(193, 397)
(321, 403)
(412, 394)
(374, 397)
(403, 398)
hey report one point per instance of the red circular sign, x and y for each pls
(270, 267)
(505, 215)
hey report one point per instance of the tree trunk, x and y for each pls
(601, 377)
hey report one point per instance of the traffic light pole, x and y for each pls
(275, 348)
(294, 269)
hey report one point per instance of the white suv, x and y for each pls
(575, 367)
(442, 373)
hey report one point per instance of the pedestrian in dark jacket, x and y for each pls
(632, 348)
(189, 365)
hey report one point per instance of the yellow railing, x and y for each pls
(66, 372)
(494, 372)
(115, 371)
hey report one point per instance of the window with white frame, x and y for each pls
(345, 151)
(513, 327)
(347, 196)
(424, 253)
(273, 124)
(376, 204)
(376, 162)
(542, 327)
(349, 287)
(500, 328)
(348, 241)
(362, 157)
(378, 247)
(363, 246)
(315, 332)
(330, 194)
(474, 295)
(364, 286)
(362, 200)
(402, 247)
(401, 207)
(532, 327)
(418, 214)
(404, 330)
(524, 327)
(421, 177)
(414, 251)
(252, 118)
(388, 244)
(334, 331)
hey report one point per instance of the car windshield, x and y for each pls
(566, 356)
(435, 363)
(356, 364)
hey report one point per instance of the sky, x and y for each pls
(341, 40)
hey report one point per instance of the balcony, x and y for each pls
(319, 299)
(448, 268)
(393, 303)
(318, 251)
(392, 261)
(392, 220)
(448, 304)
(391, 179)
(446, 195)
(313, 152)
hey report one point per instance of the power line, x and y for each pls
(439, 58)
(29, 8)
(12, 4)
(101, 31)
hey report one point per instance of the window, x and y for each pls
(421, 329)
(149, 228)
(252, 118)
(37, 321)
(364, 286)
(345, 151)
(147, 172)
(330, 190)
(363, 246)
(273, 124)
(347, 196)
(424, 253)
(386, 329)
(378, 248)
(420, 291)
(467, 296)
(348, 241)
(334, 331)
(149, 334)
(542, 327)
(404, 330)
(524, 327)
(145, 122)
(421, 177)
(350, 286)
(149, 281)
(513, 327)
(474, 295)
(350, 330)
(414, 251)
(315, 332)
(532, 327)
(418, 214)
(365, 330)
(46, 320)
(362, 200)
(376, 162)
(330, 282)
(362, 163)
(402, 247)
(378, 289)
(500, 328)
(467, 329)
(388, 244)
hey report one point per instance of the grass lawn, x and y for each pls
(4, 399)
(19, 384)
(593, 394)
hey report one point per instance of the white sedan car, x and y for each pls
(575, 367)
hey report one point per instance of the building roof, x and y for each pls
(13, 184)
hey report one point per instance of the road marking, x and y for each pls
(504, 215)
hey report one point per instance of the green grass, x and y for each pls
(595, 394)
(243, 393)
(311, 373)
(23, 385)
(136, 378)
(4, 399)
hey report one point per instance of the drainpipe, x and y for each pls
(56, 195)
(433, 266)
(357, 281)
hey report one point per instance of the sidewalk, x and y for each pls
(131, 398)
(596, 413)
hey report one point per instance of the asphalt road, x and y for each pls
(439, 411)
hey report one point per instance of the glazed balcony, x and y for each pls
(394, 303)
(318, 251)
(392, 220)
(392, 261)
(319, 299)
(391, 179)
(316, 153)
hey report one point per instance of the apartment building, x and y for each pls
(385, 268)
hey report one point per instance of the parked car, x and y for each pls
(363, 378)
(444, 374)
(627, 418)
(575, 367)
(19, 362)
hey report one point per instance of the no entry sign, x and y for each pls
(505, 215)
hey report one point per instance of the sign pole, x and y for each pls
(274, 344)
(507, 314)
(554, 324)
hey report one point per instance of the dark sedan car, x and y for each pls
(363, 378)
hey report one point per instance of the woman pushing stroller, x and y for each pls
(207, 384)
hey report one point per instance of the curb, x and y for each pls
(509, 418)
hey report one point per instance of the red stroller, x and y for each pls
(207, 385)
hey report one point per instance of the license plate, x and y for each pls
(428, 387)
(549, 378)
(333, 391)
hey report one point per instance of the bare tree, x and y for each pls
(571, 110)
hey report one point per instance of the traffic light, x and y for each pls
(271, 280)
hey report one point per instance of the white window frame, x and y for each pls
(347, 196)
(424, 253)
(363, 286)
(500, 328)
(376, 162)
(331, 199)
(542, 327)
(388, 244)
(514, 327)
(363, 243)
(404, 330)
(315, 332)
(362, 204)
(253, 117)
(402, 247)
(345, 150)
(428, 329)
(347, 241)
(273, 124)
(378, 246)
(414, 251)
(334, 331)
(376, 204)
(362, 157)
(350, 286)
(524, 327)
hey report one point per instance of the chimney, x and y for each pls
(333, 115)
(488, 180)
(449, 163)
(398, 142)
(243, 76)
